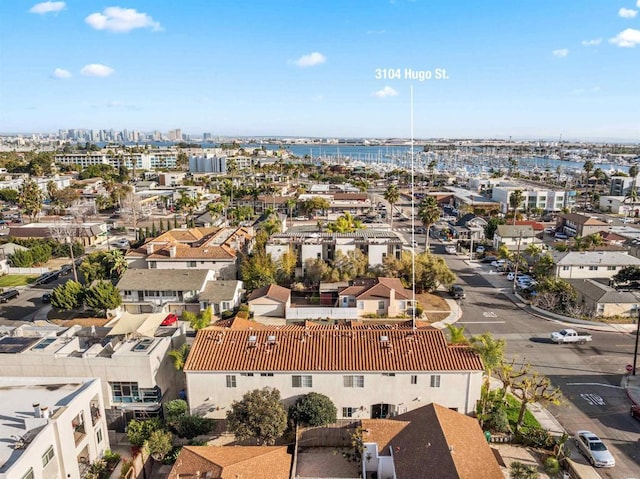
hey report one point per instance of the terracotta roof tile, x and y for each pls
(232, 462)
(272, 291)
(451, 443)
(329, 349)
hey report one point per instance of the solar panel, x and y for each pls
(13, 345)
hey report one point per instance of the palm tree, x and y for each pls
(429, 213)
(588, 168)
(291, 204)
(456, 334)
(392, 195)
(491, 351)
(179, 356)
(516, 197)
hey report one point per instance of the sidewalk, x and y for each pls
(631, 384)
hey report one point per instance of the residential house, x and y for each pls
(271, 300)
(374, 244)
(383, 297)
(469, 227)
(599, 299)
(223, 295)
(51, 426)
(620, 205)
(174, 290)
(430, 442)
(6, 250)
(591, 264)
(574, 224)
(130, 359)
(369, 371)
(516, 237)
(232, 462)
(86, 233)
(206, 248)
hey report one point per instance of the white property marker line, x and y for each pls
(480, 322)
(595, 384)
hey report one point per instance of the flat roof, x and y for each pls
(18, 394)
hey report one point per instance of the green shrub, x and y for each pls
(189, 427)
(497, 420)
(173, 410)
(171, 457)
(125, 468)
(551, 466)
(535, 437)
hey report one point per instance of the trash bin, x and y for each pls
(487, 436)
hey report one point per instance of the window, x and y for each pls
(414, 379)
(360, 304)
(353, 381)
(191, 264)
(593, 268)
(125, 392)
(246, 374)
(565, 268)
(47, 456)
(580, 267)
(381, 304)
(389, 374)
(348, 411)
(301, 381)
(611, 268)
(268, 375)
(99, 436)
(435, 380)
(225, 306)
(231, 381)
(29, 474)
(153, 264)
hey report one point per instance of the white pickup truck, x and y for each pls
(569, 336)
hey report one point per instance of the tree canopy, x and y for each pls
(259, 414)
(431, 271)
(313, 409)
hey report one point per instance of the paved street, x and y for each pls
(589, 375)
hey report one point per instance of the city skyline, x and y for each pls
(302, 69)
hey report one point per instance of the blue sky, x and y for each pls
(526, 69)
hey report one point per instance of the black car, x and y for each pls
(9, 294)
(46, 298)
(457, 291)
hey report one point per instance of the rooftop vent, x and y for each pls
(384, 341)
(271, 339)
(252, 341)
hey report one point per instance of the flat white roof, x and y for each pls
(16, 408)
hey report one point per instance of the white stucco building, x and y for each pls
(545, 199)
(374, 244)
(591, 264)
(129, 358)
(368, 372)
(52, 427)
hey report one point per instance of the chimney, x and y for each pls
(36, 409)
(172, 251)
(44, 412)
(150, 248)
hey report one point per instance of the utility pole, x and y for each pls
(635, 351)
(517, 258)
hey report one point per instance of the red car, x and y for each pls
(170, 320)
(635, 412)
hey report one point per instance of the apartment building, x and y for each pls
(591, 264)
(51, 426)
(368, 371)
(547, 200)
(145, 160)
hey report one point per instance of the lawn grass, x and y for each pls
(11, 280)
(513, 409)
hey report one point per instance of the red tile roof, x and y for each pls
(381, 289)
(232, 462)
(330, 348)
(272, 291)
(451, 444)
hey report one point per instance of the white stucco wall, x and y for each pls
(208, 391)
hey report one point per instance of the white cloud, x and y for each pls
(385, 92)
(560, 53)
(310, 60)
(96, 70)
(121, 20)
(591, 43)
(627, 13)
(61, 73)
(47, 7)
(638, 4)
(627, 38)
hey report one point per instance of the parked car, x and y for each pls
(480, 249)
(511, 276)
(498, 263)
(457, 291)
(9, 294)
(489, 259)
(451, 249)
(170, 320)
(592, 447)
(46, 298)
(635, 411)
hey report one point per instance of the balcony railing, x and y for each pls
(78, 433)
(95, 415)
